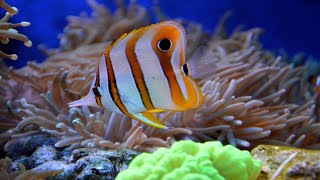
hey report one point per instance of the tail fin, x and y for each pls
(88, 100)
(202, 63)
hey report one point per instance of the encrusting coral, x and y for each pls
(191, 160)
(7, 30)
(282, 162)
(251, 97)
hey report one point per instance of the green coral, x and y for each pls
(189, 160)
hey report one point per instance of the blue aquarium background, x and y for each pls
(290, 25)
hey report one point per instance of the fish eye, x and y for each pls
(185, 69)
(164, 45)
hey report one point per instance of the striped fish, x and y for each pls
(315, 80)
(144, 72)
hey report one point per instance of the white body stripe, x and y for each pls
(104, 89)
(154, 77)
(179, 76)
(183, 39)
(175, 62)
(128, 91)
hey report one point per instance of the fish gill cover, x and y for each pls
(253, 97)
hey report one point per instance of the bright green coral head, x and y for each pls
(189, 160)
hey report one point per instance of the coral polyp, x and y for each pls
(191, 160)
(8, 31)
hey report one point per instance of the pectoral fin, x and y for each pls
(149, 119)
(202, 62)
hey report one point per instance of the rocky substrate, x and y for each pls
(38, 155)
(281, 162)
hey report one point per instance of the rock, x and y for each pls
(92, 164)
(43, 171)
(104, 170)
(41, 155)
(282, 162)
(78, 164)
(68, 173)
(77, 154)
(26, 161)
(44, 154)
(92, 160)
(25, 146)
(121, 158)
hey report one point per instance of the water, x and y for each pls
(289, 25)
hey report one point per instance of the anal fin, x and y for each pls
(155, 110)
(148, 118)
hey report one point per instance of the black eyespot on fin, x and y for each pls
(185, 69)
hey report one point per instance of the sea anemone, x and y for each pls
(251, 97)
(7, 30)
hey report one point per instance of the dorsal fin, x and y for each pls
(125, 35)
(135, 31)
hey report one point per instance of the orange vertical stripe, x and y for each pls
(165, 62)
(195, 97)
(136, 69)
(194, 93)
